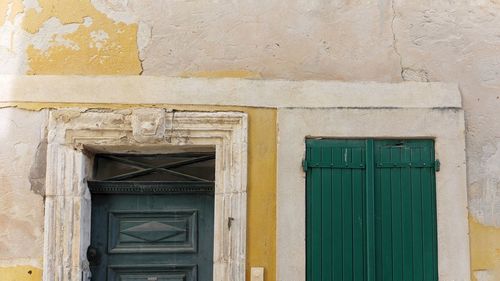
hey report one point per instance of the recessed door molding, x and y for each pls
(75, 135)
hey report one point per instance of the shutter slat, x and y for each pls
(326, 217)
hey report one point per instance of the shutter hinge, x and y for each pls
(437, 165)
(304, 165)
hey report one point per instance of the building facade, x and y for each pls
(280, 94)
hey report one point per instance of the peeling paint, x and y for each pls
(46, 37)
(101, 45)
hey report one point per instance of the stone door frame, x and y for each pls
(74, 135)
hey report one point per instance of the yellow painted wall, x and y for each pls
(485, 250)
(20, 273)
(261, 209)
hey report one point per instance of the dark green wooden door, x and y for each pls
(152, 237)
(146, 229)
(371, 211)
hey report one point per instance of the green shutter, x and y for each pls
(371, 212)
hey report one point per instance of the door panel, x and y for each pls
(152, 236)
(163, 273)
(173, 231)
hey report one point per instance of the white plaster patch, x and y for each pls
(144, 34)
(52, 34)
(117, 10)
(32, 4)
(13, 43)
(489, 70)
(483, 275)
(9, 9)
(21, 211)
(99, 38)
(87, 21)
(485, 194)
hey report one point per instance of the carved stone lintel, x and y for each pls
(148, 124)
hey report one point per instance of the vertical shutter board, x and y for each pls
(407, 228)
(386, 217)
(379, 251)
(358, 206)
(396, 219)
(369, 212)
(427, 224)
(347, 224)
(326, 218)
(316, 216)
(418, 245)
(337, 207)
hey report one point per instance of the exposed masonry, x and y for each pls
(38, 169)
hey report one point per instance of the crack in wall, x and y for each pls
(394, 40)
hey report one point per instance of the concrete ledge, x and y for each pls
(227, 91)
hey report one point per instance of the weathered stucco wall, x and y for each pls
(21, 207)
(382, 40)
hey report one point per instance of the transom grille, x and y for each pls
(153, 173)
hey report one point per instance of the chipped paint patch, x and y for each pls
(52, 33)
(99, 38)
(117, 10)
(20, 273)
(483, 275)
(485, 251)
